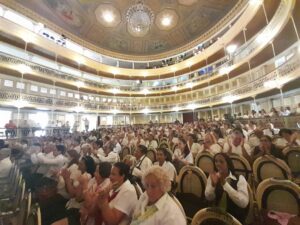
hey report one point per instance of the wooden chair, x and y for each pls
(278, 195)
(268, 166)
(205, 161)
(35, 217)
(63, 221)
(125, 151)
(214, 216)
(151, 154)
(241, 166)
(292, 156)
(190, 191)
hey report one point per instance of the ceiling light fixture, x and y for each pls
(231, 48)
(145, 91)
(174, 88)
(139, 19)
(115, 90)
(166, 21)
(108, 16)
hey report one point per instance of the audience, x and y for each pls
(97, 187)
(5, 162)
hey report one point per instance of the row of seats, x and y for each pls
(275, 195)
(15, 203)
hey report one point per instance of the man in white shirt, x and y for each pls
(5, 162)
(117, 206)
(117, 147)
(110, 155)
(237, 145)
(152, 142)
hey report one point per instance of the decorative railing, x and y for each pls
(253, 85)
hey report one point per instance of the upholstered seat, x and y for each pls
(205, 161)
(151, 154)
(191, 188)
(292, 155)
(241, 166)
(214, 216)
(125, 151)
(268, 166)
(280, 196)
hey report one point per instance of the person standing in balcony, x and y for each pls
(10, 129)
(86, 124)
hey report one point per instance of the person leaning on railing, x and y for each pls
(10, 129)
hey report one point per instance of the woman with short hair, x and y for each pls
(155, 205)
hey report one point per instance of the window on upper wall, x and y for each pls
(8, 83)
(70, 95)
(34, 88)
(77, 96)
(52, 91)
(20, 85)
(44, 90)
(62, 93)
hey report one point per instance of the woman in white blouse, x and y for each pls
(155, 205)
(164, 158)
(182, 155)
(227, 190)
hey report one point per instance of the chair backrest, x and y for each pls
(124, 152)
(293, 159)
(241, 166)
(279, 195)
(214, 216)
(34, 217)
(192, 180)
(205, 161)
(177, 203)
(138, 189)
(268, 166)
(151, 154)
(250, 215)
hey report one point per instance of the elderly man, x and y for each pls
(5, 162)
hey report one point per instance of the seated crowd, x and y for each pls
(99, 176)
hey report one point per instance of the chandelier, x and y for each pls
(139, 19)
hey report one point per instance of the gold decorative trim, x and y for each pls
(223, 22)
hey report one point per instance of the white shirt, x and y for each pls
(214, 149)
(54, 164)
(240, 196)
(117, 148)
(169, 168)
(5, 166)
(153, 145)
(112, 157)
(141, 166)
(195, 148)
(237, 149)
(125, 201)
(168, 212)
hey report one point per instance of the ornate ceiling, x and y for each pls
(84, 18)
